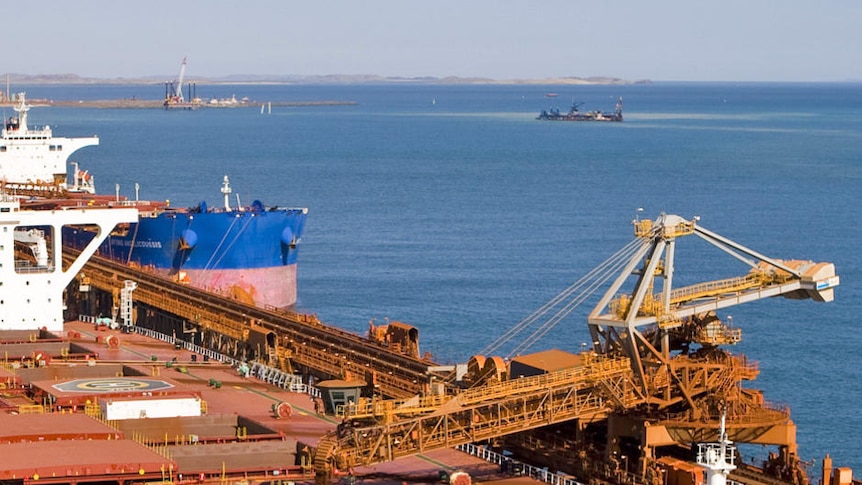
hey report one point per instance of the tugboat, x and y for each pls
(575, 115)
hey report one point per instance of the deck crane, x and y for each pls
(176, 91)
(179, 92)
(655, 366)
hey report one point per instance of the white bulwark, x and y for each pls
(32, 274)
(116, 409)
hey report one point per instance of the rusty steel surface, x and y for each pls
(239, 437)
(50, 427)
(57, 461)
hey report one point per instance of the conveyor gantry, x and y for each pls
(655, 361)
(587, 392)
(301, 338)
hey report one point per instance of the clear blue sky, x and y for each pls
(697, 40)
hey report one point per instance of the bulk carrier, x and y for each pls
(246, 253)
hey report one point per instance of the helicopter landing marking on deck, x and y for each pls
(112, 384)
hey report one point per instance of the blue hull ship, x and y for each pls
(247, 253)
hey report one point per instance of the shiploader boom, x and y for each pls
(655, 261)
(642, 323)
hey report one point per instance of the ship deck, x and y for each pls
(59, 443)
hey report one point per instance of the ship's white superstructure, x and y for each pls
(717, 458)
(32, 275)
(33, 157)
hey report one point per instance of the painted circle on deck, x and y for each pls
(112, 384)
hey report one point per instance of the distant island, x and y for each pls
(35, 79)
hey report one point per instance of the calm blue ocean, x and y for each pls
(453, 209)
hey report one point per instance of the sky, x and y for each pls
(659, 40)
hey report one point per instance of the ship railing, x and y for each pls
(27, 267)
(88, 318)
(516, 467)
(302, 388)
(276, 377)
(208, 354)
(767, 413)
(282, 379)
(131, 203)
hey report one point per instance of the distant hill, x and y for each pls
(32, 79)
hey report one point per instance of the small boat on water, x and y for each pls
(575, 115)
(245, 252)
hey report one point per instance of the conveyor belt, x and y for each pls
(587, 392)
(306, 340)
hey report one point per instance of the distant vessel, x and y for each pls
(247, 253)
(174, 98)
(33, 159)
(575, 115)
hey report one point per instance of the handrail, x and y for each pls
(541, 474)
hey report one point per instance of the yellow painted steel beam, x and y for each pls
(590, 391)
(200, 308)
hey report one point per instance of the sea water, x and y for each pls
(453, 209)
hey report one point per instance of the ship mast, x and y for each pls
(22, 108)
(717, 458)
(226, 190)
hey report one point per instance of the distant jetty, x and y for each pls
(160, 104)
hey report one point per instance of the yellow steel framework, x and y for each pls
(649, 328)
(587, 392)
(643, 361)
